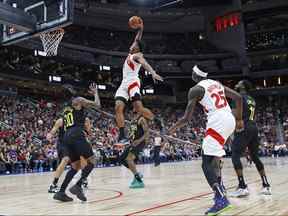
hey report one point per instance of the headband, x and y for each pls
(199, 72)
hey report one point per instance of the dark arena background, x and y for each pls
(47, 45)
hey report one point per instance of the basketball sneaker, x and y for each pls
(53, 188)
(156, 164)
(136, 184)
(266, 190)
(62, 196)
(221, 204)
(78, 191)
(240, 192)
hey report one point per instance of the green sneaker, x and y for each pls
(134, 181)
(136, 184)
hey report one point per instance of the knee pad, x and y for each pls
(120, 100)
(236, 160)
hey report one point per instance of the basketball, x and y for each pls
(135, 22)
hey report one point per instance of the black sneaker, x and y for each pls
(61, 196)
(157, 164)
(78, 191)
(53, 188)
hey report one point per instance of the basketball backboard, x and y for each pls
(46, 14)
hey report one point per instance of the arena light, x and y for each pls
(149, 91)
(264, 83)
(102, 87)
(108, 68)
(55, 79)
(104, 67)
(279, 80)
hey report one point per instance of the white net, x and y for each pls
(51, 41)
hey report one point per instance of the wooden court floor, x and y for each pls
(171, 189)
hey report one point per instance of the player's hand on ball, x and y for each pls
(93, 89)
(136, 22)
(239, 125)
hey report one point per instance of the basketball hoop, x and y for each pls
(51, 41)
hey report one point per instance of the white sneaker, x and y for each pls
(266, 191)
(240, 192)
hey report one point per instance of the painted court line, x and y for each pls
(178, 201)
(119, 194)
(257, 203)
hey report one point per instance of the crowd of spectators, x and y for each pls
(269, 62)
(155, 43)
(24, 123)
(267, 40)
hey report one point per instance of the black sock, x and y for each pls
(85, 173)
(55, 181)
(137, 177)
(122, 132)
(218, 191)
(69, 176)
(264, 181)
(241, 182)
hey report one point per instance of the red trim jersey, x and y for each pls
(214, 98)
(131, 68)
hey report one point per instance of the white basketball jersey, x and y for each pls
(214, 98)
(131, 68)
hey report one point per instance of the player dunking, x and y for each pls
(221, 124)
(74, 116)
(130, 86)
(247, 138)
(61, 152)
(138, 134)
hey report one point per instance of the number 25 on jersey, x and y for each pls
(219, 99)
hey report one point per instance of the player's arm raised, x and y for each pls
(141, 60)
(58, 124)
(230, 93)
(145, 136)
(139, 33)
(195, 94)
(89, 103)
